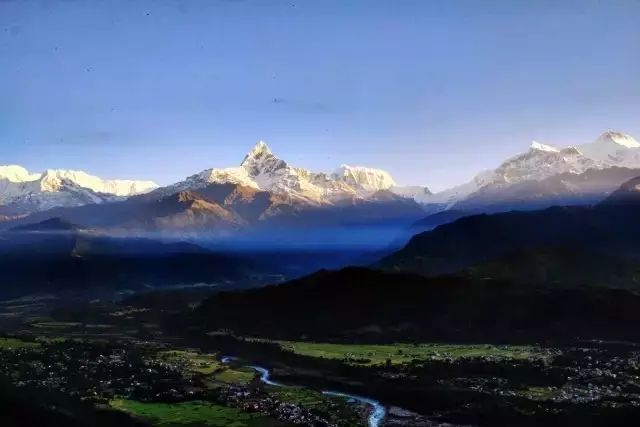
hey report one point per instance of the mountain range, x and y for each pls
(261, 170)
(480, 235)
(265, 191)
(262, 193)
(23, 192)
(546, 175)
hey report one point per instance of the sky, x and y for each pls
(432, 91)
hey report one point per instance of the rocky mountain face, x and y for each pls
(23, 192)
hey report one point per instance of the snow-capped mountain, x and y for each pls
(363, 178)
(613, 149)
(24, 192)
(543, 161)
(262, 170)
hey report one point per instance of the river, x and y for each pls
(376, 416)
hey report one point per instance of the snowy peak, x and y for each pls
(15, 173)
(261, 149)
(614, 149)
(260, 160)
(618, 138)
(535, 145)
(29, 192)
(52, 179)
(542, 161)
(262, 170)
(367, 179)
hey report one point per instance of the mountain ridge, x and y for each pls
(546, 175)
(23, 192)
(262, 170)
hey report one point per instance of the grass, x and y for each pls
(540, 393)
(235, 376)
(51, 340)
(56, 325)
(191, 414)
(14, 344)
(402, 353)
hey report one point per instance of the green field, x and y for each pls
(56, 325)
(539, 393)
(366, 354)
(14, 344)
(192, 414)
(235, 376)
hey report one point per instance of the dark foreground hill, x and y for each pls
(26, 407)
(359, 304)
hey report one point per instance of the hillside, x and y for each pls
(69, 258)
(565, 245)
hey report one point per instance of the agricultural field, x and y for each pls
(56, 325)
(365, 354)
(14, 344)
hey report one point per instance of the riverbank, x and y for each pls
(377, 411)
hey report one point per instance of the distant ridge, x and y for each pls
(51, 224)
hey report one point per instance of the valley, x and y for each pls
(144, 362)
(364, 213)
(251, 303)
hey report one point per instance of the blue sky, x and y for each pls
(433, 91)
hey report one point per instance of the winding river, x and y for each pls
(378, 411)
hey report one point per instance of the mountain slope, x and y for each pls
(538, 246)
(185, 210)
(69, 258)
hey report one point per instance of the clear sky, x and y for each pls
(433, 91)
